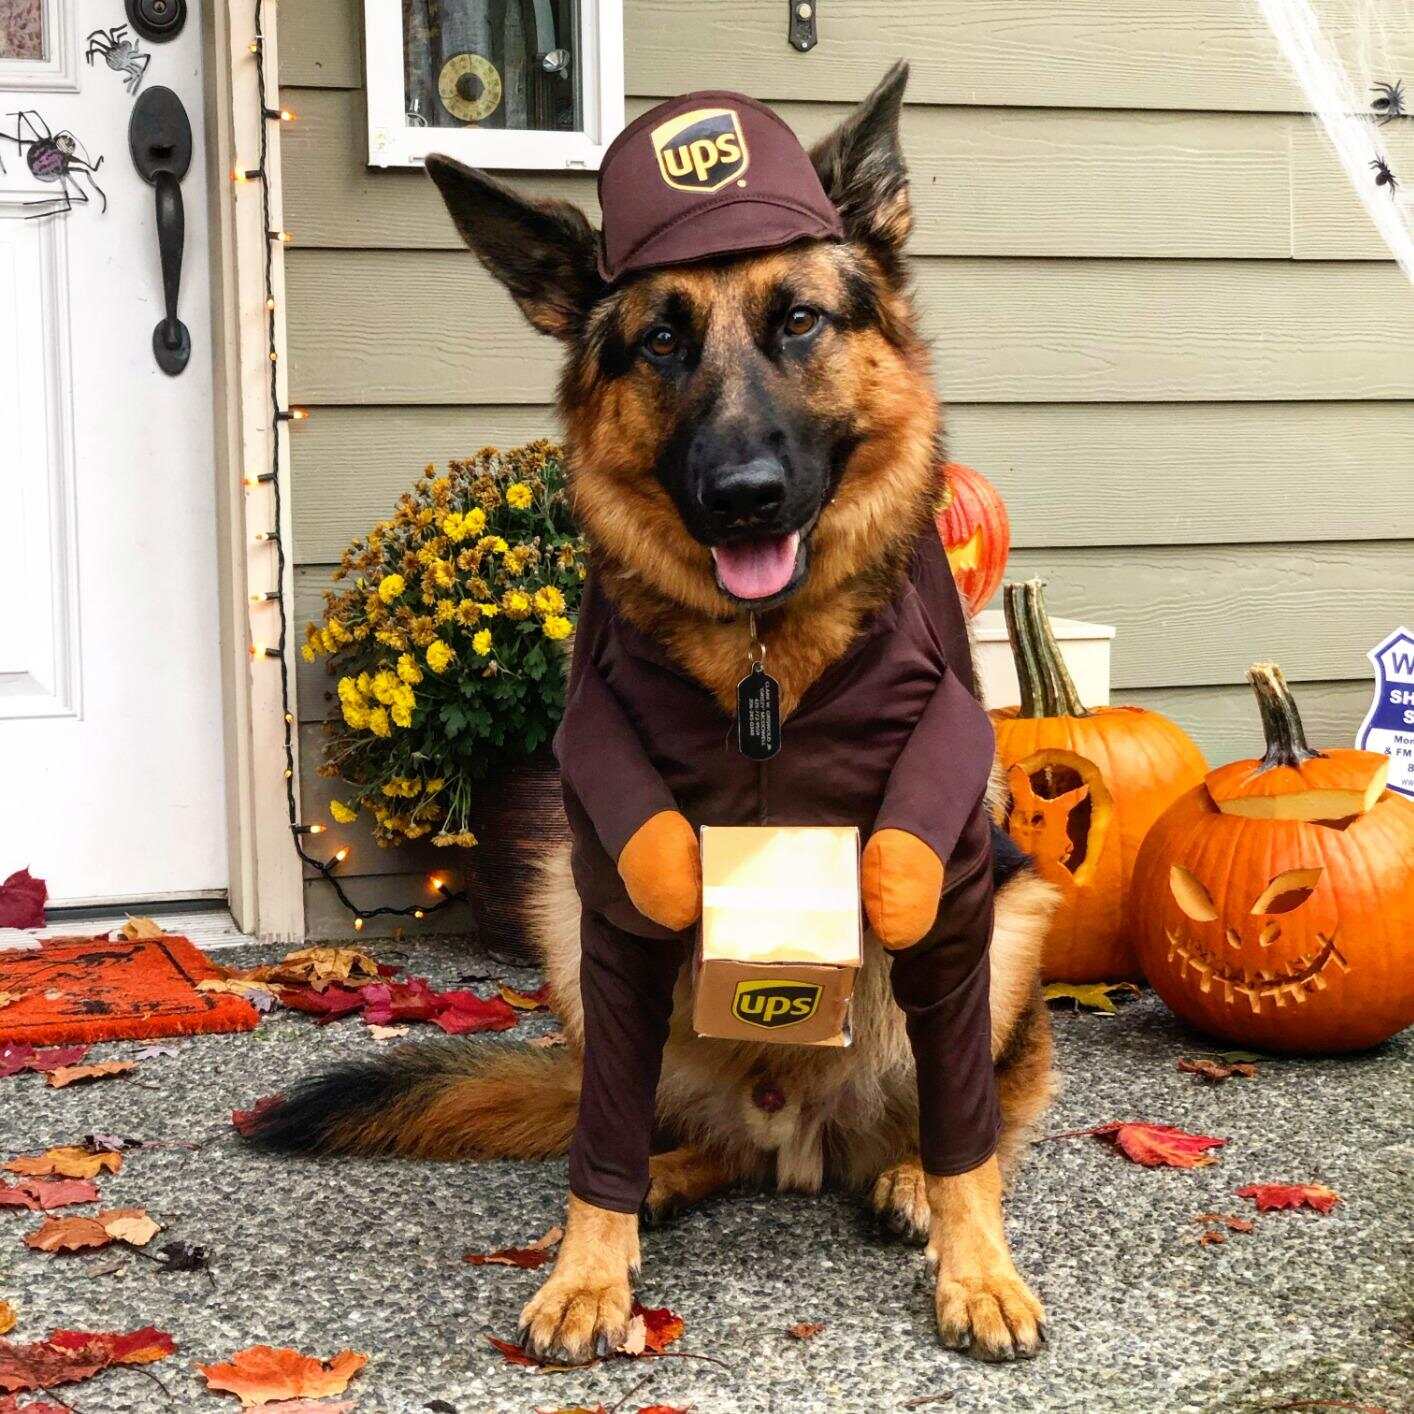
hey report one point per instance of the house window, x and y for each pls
(37, 46)
(496, 83)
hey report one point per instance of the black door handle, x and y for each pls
(159, 137)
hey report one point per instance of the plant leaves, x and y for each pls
(135, 1226)
(1216, 1222)
(10, 998)
(663, 1326)
(1272, 1196)
(330, 1004)
(538, 1000)
(246, 1122)
(139, 927)
(7, 1318)
(1154, 1145)
(262, 1373)
(74, 1074)
(67, 1161)
(68, 1235)
(22, 899)
(387, 1033)
(527, 1258)
(1089, 996)
(39, 1195)
(319, 967)
(69, 1356)
(512, 1353)
(16, 1057)
(140, 1347)
(805, 1330)
(468, 1013)
(10, 1404)
(1214, 1072)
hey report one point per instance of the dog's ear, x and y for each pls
(544, 252)
(861, 167)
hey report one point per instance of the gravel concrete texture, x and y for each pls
(325, 1255)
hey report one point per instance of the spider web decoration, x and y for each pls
(1364, 109)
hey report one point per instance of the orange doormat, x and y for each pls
(91, 989)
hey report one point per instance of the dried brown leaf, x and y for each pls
(805, 1330)
(67, 1161)
(74, 1074)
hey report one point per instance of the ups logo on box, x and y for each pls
(701, 151)
(775, 1004)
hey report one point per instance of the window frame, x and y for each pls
(59, 73)
(393, 143)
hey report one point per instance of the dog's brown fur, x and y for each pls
(850, 1115)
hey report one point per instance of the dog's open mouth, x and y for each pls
(757, 569)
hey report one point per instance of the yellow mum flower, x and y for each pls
(408, 669)
(434, 785)
(516, 603)
(468, 612)
(452, 526)
(481, 642)
(378, 722)
(557, 626)
(348, 691)
(445, 611)
(443, 575)
(356, 715)
(439, 656)
(391, 637)
(518, 495)
(549, 600)
(401, 714)
(308, 653)
(390, 586)
(474, 521)
(405, 697)
(344, 814)
(488, 611)
(364, 683)
(497, 544)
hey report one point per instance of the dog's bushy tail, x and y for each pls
(439, 1100)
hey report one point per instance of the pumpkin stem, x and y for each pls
(1281, 722)
(1047, 689)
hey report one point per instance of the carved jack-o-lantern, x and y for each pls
(1085, 786)
(975, 531)
(1273, 905)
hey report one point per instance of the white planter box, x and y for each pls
(1085, 648)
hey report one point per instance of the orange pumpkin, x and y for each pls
(1273, 905)
(975, 532)
(1085, 786)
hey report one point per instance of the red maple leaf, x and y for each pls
(661, 1326)
(329, 1005)
(10, 1404)
(1270, 1196)
(1154, 1145)
(17, 1056)
(37, 1194)
(511, 1352)
(22, 899)
(248, 1121)
(466, 1012)
(69, 1356)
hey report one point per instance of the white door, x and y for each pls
(111, 784)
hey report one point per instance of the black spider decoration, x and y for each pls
(120, 53)
(1390, 101)
(55, 157)
(1383, 176)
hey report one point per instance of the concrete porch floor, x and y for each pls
(328, 1255)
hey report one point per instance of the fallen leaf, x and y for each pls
(10, 998)
(139, 1347)
(7, 1318)
(527, 1258)
(1212, 1237)
(1214, 1072)
(140, 927)
(16, 1057)
(511, 1352)
(10, 1404)
(67, 1161)
(69, 1356)
(74, 1074)
(39, 1195)
(806, 1330)
(635, 1340)
(662, 1325)
(236, 987)
(306, 1406)
(1089, 996)
(387, 1033)
(1154, 1145)
(247, 1122)
(552, 1038)
(538, 1000)
(1271, 1196)
(467, 1013)
(666, 1409)
(22, 899)
(1228, 1220)
(135, 1226)
(68, 1235)
(332, 1003)
(263, 1373)
(318, 967)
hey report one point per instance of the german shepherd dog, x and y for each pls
(858, 416)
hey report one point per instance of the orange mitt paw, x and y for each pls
(901, 880)
(661, 867)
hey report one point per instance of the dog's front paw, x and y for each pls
(990, 1315)
(900, 1199)
(568, 1323)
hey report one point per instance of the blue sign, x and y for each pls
(1389, 724)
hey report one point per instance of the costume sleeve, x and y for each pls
(603, 761)
(941, 774)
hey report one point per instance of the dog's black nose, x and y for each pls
(749, 492)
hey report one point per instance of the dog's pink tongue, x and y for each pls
(757, 569)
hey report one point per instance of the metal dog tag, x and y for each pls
(758, 714)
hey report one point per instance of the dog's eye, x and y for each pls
(800, 321)
(660, 341)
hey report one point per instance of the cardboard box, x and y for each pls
(781, 937)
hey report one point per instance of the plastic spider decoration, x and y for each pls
(55, 157)
(120, 53)
(1383, 176)
(1389, 101)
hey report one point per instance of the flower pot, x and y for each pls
(518, 818)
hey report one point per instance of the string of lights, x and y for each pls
(446, 895)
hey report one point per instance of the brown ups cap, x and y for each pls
(711, 173)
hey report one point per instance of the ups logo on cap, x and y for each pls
(773, 1004)
(701, 151)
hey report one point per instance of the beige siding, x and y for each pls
(1161, 321)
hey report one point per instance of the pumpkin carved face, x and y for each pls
(1265, 919)
(975, 531)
